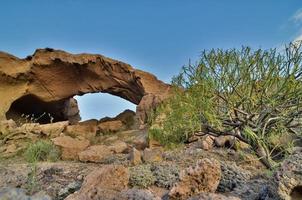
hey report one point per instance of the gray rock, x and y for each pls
(137, 194)
(69, 189)
(232, 177)
(288, 178)
(8, 193)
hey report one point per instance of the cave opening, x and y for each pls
(30, 109)
(296, 193)
(101, 105)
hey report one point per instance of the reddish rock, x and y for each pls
(70, 146)
(86, 129)
(153, 155)
(94, 153)
(118, 147)
(206, 142)
(204, 177)
(103, 184)
(52, 130)
(135, 157)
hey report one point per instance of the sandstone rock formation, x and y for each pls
(44, 84)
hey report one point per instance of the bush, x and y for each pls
(165, 175)
(141, 176)
(252, 95)
(41, 151)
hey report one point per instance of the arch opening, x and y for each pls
(101, 105)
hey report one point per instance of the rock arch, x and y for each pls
(52, 77)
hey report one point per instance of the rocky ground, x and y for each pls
(111, 159)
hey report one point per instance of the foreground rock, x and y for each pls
(70, 147)
(43, 84)
(288, 178)
(103, 184)
(19, 194)
(204, 177)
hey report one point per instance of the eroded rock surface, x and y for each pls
(46, 82)
(204, 177)
(104, 183)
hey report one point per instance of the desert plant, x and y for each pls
(165, 175)
(251, 95)
(141, 176)
(41, 151)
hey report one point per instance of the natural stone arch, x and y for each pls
(54, 77)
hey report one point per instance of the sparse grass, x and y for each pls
(41, 151)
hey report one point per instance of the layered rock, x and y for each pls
(42, 85)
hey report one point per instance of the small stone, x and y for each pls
(80, 177)
(153, 155)
(206, 142)
(135, 156)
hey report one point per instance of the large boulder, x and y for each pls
(43, 84)
(87, 129)
(204, 177)
(103, 184)
(70, 147)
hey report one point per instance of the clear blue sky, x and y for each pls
(158, 36)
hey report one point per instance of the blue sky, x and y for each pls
(158, 36)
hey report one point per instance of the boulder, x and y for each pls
(118, 147)
(103, 184)
(135, 156)
(94, 153)
(153, 155)
(54, 129)
(70, 147)
(86, 129)
(43, 84)
(203, 177)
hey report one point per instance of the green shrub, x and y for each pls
(251, 95)
(41, 151)
(141, 176)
